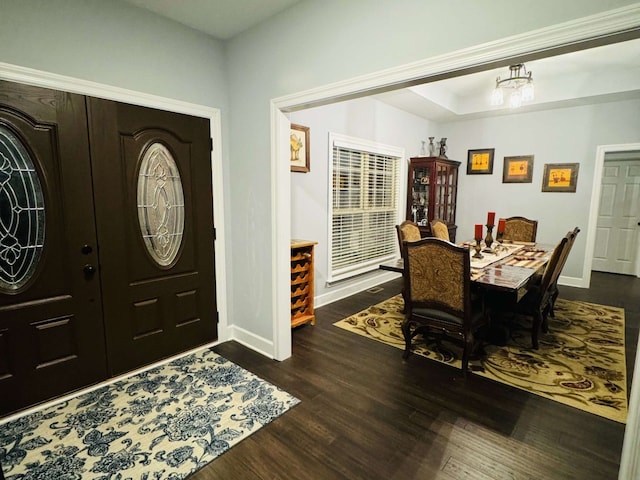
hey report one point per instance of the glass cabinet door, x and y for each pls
(451, 199)
(441, 193)
(420, 195)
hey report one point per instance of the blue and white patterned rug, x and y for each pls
(164, 423)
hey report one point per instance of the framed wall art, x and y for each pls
(560, 177)
(299, 141)
(480, 161)
(517, 169)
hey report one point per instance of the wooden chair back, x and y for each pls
(520, 229)
(552, 271)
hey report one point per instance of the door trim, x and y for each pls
(605, 27)
(596, 189)
(55, 81)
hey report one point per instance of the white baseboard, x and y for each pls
(250, 340)
(578, 282)
(338, 293)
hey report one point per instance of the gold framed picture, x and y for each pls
(560, 177)
(480, 161)
(518, 169)
(299, 141)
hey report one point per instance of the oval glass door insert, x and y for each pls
(160, 204)
(22, 214)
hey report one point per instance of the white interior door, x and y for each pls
(616, 245)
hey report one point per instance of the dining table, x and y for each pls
(506, 267)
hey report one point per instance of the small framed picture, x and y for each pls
(480, 161)
(560, 177)
(299, 148)
(517, 169)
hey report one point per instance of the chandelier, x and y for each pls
(519, 83)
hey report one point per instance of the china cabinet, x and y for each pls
(302, 283)
(432, 192)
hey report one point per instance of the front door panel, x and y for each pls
(51, 330)
(152, 183)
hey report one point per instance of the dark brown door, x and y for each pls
(152, 184)
(51, 330)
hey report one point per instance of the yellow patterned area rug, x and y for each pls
(580, 362)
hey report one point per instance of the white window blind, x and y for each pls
(364, 205)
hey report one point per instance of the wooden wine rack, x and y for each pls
(302, 283)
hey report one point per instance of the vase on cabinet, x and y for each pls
(432, 147)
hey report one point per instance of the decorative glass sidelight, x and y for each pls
(22, 213)
(160, 204)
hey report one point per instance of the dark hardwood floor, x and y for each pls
(366, 414)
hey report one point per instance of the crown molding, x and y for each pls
(568, 35)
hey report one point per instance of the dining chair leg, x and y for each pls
(535, 328)
(406, 333)
(466, 352)
(545, 318)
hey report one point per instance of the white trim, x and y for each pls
(253, 341)
(280, 235)
(572, 32)
(39, 78)
(364, 145)
(564, 34)
(354, 288)
(124, 376)
(630, 460)
(572, 281)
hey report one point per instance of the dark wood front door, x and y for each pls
(152, 184)
(51, 330)
(106, 240)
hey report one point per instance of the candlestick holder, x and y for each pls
(500, 239)
(477, 248)
(488, 240)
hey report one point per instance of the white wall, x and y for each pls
(317, 42)
(309, 45)
(114, 43)
(567, 135)
(364, 118)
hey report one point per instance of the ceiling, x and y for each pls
(222, 19)
(596, 75)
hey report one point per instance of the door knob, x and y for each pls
(86, 249)
(89, 269)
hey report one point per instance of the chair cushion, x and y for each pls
(438, 315)
(445, 317)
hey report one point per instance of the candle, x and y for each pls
(478, 232)
(491, 218)
(501, 225)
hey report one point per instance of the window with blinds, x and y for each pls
(364, 205)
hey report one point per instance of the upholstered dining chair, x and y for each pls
(520, 229)
(439, 229)
(408, 231)
(538, 299)
(438, 294)
(571, 236)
